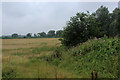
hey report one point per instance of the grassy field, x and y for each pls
(45, 58)
(20, 59)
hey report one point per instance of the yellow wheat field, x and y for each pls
(27, 43)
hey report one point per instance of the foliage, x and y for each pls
(118, 20)
(58, 33)
(35, 35)
(14, 35)
(79, 29)
(86, 26)
(9, 73)
(51, 34)
(103, 17)
(115, 22)
(43, 34)
(29, 35)
(100, 55)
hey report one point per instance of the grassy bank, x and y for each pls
(100, 56)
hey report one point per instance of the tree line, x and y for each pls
(50, 34)
(86, 26)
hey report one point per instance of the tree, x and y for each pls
(103, 17)
(43, 34)
(113, 28)
(118, 21)
(58, 33)
(115, 23)
(35, 35)
(29, 35)
(114, 15)
(51, 34)
(15, 35)
(93, 28)
(79, 29)
(38, 34)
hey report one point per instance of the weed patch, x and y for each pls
(9, 73)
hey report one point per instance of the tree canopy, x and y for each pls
(51, 34)
(85, 26)
(15, 35)
(29, 35)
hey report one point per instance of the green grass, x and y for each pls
(42, 49)
(43, 43)
(33, 68)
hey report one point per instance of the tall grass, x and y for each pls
(22, 60)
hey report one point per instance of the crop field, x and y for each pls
(19, 59)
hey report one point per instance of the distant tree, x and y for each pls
(51, 34)
(35, 35)
(24, 36)
(15, 35)
(7, 37)
(38, 34)
(43, 34)
(29, 35)
(58, 33)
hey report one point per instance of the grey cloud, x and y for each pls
(36, 17)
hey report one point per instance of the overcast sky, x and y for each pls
(35, 17)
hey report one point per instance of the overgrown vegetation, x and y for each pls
(9, 73)
(100, 55)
